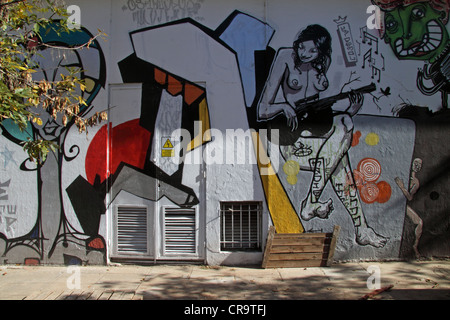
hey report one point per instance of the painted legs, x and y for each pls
(417, 231)
(331, 163)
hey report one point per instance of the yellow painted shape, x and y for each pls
(372, 139)
(168, 153)
(292, 179)
(204, 132)
(291, 167)
(282, 212)
(89, 84)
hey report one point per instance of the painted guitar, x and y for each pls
(310, 105)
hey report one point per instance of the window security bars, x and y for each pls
(240, 226)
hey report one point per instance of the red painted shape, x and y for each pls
(96, 243)
(355, 140)
(129, 144)
(369, 192)
(192, 93)
(385, 191)
(32, 262)
(95, 162)
(174, 86)
(160, 76)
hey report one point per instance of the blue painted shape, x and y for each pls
(245, 35)
(53, 33)
(14, 131)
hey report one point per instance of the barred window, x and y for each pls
(240, 226)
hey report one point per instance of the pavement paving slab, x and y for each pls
(413, 280)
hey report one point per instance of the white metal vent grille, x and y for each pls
(179, 231)
(240, 225)
(131, 229)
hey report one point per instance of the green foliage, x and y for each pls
(21, 97)
(38, 149)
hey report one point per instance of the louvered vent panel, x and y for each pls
(132, 229)
(179, 230)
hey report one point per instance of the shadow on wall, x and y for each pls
(431, 202)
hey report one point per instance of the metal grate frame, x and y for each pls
(131, 228)
(240, 226)
(180, 231)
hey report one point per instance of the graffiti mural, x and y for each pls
(148, 12)
(52, 231)
(301, 73)
(415, 30)
(132, 144)
(343, 125)
(312, 136)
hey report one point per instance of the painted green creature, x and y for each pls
(416, 30)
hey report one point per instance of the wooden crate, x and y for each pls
(297, 250)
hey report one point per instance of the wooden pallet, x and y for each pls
(297, 250)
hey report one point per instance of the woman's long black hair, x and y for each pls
(322, 40)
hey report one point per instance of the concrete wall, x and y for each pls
(169, 65)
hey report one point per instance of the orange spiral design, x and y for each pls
(369, 192)
(370, 169)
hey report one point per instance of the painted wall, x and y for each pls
(215, 77)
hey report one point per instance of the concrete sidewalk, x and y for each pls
(347, 281)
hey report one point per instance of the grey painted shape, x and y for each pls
(146, 187)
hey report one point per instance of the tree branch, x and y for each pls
(10, 3)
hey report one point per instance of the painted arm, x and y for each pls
(356, 102)
(414, 187)
(267, 108)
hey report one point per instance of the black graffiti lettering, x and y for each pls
(339, 189)
(354, 202)
(150, 17)
(152, 12)
(354, 211)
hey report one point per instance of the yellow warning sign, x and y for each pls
(168, 153)
(168, 144)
